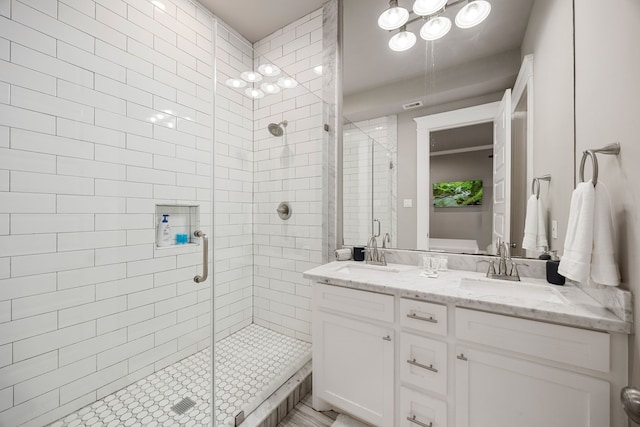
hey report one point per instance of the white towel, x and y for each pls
(578, 243)
(604, 269)
(535, 227)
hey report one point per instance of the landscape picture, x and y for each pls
(457, 193)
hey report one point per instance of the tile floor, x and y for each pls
(303, 415)
(248, 363)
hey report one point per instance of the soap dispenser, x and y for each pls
(163, 237)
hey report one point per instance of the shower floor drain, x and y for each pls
(183, 406)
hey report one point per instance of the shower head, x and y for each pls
(278, 129)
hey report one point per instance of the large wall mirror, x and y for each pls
(418, 164)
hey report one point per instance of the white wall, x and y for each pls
(289, 168)
(549, 38)
(607, 109)
(87, 303)
(233, 191)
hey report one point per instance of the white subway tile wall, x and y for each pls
(369, 146)
(106, 108)
(233, 189)
(289, 169)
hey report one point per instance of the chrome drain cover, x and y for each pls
(183, 406)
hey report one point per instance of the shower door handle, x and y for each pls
(205, 257)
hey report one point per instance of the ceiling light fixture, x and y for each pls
(394, 17)
(435, 28)
(472, 13)
(402, 41)
(428, 7)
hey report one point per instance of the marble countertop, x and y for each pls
(536, 299)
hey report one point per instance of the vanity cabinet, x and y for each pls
(353, 354)
(459, 367)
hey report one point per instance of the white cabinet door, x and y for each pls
(499, 391)
(353, 367)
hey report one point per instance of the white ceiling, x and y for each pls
(256, 19)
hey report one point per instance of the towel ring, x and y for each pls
(594, 162)
(609, 149)
(537, 180)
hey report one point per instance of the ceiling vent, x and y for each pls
(412, 105)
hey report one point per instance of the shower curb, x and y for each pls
(273, 410)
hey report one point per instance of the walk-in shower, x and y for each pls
(99, 323)
(277, 129)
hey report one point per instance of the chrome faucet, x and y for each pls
(374, 256)
(504, 273)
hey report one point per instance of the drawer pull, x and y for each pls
(412, 419)
(420, 365)
(461, 356)
(387, 338)
(426, 319)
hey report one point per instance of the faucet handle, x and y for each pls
(492, 269)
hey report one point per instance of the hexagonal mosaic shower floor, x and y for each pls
(249, 364)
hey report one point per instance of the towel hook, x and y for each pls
(609, 149)
(537, 180)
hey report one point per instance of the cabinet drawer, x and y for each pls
(418, 410)
(423, 362)
(358, 303)
(564, 344)
(423, 316)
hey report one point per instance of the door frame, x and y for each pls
(484, 113)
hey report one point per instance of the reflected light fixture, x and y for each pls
(251, 76)
(473, 13)
(287, 82)
(403, 40)
(270, 87)
(269, 70)
(394, 17)
(435, 28)
(318, 70)
(237, 83)
(254, 93)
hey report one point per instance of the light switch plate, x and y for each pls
(554, 229)
(407, 203)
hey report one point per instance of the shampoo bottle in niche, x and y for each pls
(164, 232)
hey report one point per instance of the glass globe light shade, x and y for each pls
(428, 7)
(402, 41)
(435, 28)
(254, 93)
(237, 83)
(269, 70)
(473, 13)
(287, 82)
(270, 87)
(394, 17)
(251, 76)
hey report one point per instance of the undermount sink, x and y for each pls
(527, 291)
(368, 270)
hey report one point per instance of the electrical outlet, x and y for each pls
(407, 203)
(554, 229)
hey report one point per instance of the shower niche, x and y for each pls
(182, 221)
